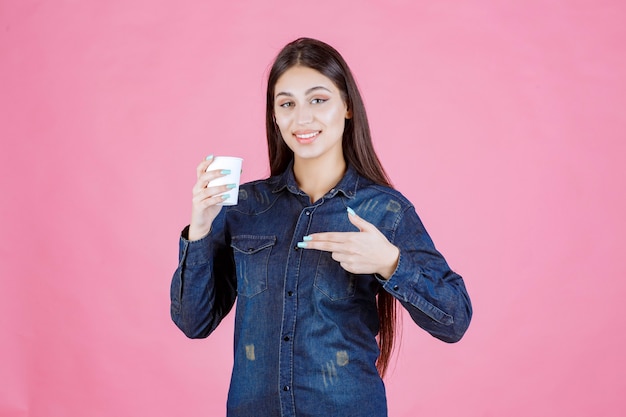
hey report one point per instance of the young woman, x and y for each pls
(315, 256)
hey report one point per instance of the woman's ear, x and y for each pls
(349, 114)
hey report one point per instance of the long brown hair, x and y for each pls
(358, 150)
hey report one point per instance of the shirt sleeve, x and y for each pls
(433, 294)
(203, 288)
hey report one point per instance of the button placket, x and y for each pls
(289, 316)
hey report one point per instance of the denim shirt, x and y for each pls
(305, 329)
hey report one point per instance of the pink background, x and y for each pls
(502, 121)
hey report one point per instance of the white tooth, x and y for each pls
(307, 136)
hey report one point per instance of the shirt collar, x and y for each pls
(347, 185)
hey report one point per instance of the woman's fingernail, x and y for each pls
(231, 186)
(307, 238)
(351, 212)
(225, 196)
(225, 171)
(208, 158)
(302, 244)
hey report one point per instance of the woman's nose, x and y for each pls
(304, 115)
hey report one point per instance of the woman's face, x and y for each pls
(310, 113)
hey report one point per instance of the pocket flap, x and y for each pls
(252, 244)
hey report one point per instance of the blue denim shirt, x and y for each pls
(305, 329)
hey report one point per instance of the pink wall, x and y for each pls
(502, 121)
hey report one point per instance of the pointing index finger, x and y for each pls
(337, 237)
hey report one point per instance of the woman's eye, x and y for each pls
(318, 100)
(286, 105)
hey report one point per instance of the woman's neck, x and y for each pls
(317, 177)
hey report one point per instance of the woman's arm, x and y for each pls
(433, 294)
(408, 266)
(203, 288)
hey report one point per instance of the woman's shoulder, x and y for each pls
(270, 184)
(381, 205)
(256, 195)
(378, 192)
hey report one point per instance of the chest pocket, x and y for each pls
(252, 255)
(332, 280)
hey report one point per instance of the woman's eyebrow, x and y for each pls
(307, 92)
(319, 87)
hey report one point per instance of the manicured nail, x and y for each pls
(302, 244)
(231, 186)
(307, 238)
(225, 171)
(351, 212)
(208, 158)
(225, 196)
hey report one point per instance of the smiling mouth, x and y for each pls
(307, 137)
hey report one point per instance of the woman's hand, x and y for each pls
(364, 252)
(205, 200)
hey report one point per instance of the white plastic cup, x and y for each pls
(233, 164)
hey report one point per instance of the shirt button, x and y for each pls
(286, 338)
(290, 293)
(308, 213)
(396, 288)
(286, 388)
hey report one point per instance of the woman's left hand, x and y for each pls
(364, 252)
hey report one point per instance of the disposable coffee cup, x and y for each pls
(233, 164)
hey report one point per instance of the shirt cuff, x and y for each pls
(195, 252)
